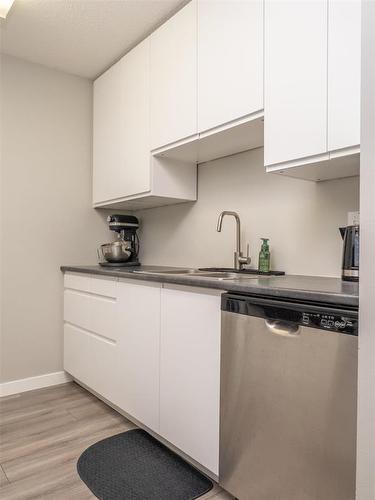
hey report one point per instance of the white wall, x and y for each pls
(301, 218)
(46, 216)
(366, 371)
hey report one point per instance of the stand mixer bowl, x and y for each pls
(117, 251)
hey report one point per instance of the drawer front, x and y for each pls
(77, 308)
(77, 353)
(90, 360)
(90, 303)
(99, 285)
(104, 286)
(77, 281)
(102, 316)
(102, 373)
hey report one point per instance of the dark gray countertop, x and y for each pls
(310, 288)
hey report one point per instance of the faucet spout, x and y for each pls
(239, 260)
(221, 217)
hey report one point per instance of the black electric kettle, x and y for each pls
(350, 253)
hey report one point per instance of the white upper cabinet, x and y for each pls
(344, 73)
(108, 133)
(135, 176)
(295, 105)
(173, 86)
(121, 127)
(230, 60)
(312, 88)
(125, 176)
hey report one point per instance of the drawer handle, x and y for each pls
(284, 328)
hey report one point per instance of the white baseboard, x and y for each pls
(31, 383)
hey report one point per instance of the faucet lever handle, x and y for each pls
(248, 258)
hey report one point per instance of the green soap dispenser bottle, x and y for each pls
(264, 256)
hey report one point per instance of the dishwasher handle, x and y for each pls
(283, 328)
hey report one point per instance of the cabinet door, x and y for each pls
(344, 73)
(121, 142)
(230, 60)
(108, 133)
(135, 177)
(138, 323)
(173, 78)
(190, 372)
(295, 106)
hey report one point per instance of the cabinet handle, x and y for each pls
(283, 328)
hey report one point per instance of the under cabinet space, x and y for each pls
(322, 167)
(173, 182)
(228, 139)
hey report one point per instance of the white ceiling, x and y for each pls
(83, 37)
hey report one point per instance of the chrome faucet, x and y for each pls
(239, 259)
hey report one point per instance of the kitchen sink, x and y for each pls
(219, 275)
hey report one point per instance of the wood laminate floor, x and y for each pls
(42, 434)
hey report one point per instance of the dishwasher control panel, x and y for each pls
(305, 314)
(333, 322)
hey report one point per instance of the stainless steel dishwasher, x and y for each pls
(288, 400)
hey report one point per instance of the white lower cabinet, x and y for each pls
(77, 308)
(89, 333)
(152, 350)
(138, 323)
(90, 359)
(77, 353)
(190, 372)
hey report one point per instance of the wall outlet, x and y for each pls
(353, 218)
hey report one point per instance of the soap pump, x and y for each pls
(264, 256)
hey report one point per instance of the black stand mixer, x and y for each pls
(124, 251)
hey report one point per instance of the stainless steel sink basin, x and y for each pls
(171, 271)
(218, 275)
